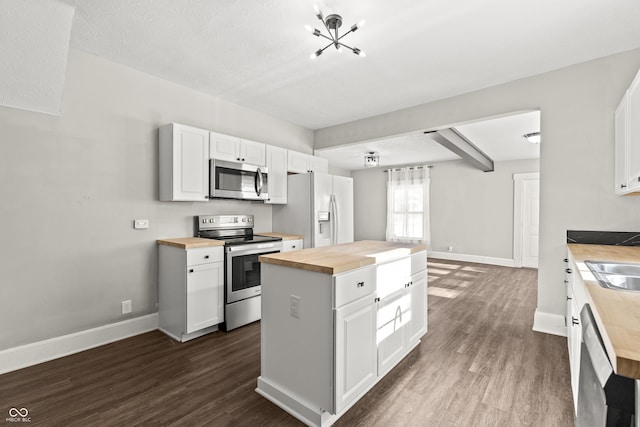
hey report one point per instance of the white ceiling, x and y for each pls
(499, 138)
(256, 52)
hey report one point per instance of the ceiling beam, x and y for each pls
(454, 141)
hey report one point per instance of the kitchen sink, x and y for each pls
(614, 275)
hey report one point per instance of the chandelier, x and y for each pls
(371, 159)
(332, 23)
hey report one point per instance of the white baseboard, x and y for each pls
(549, 323)
(504, 262)
(16, 358)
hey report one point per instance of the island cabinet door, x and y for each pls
(418, 322)
(355, 335)
(394, 316)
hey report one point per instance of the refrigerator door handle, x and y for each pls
(336, 224)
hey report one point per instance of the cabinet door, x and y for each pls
(394, 314)
(355, 358)
(318, 164)
(225, 147)
(298, 162)
(253, 152)
(204, 296)
(418, 291)
(621, 168)
(190, 176)
(291, 245)
(575, 341)
(633, 135)
(277, 167)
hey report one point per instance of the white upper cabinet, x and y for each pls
(184, 163)
(627, 141)
(234, 149)
(277, 167)
(621, 146)
(303, 163)
(319, 164)
(633, 135)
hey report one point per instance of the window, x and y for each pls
(408, 205)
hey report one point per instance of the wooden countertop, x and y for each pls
(190, 242)
(284, 236)
(345, 257)
(617, 313)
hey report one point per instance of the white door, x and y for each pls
(530, 223)
(205, 295)
(526, 222)
(343, 191)
(191, 165)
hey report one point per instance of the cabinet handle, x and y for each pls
(376, 299)
(566, 281)
(569, 298)
(574, 321)
(293, 246)
(639, 179)
(206, 257)
(623, 185)
(191, 270)
(238, 158)
(568, 270)
(566, 260)
(360, 284)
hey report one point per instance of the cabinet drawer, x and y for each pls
(418, 262)
(393, 276)
(353, 285)
(205, 255)
(291, 245)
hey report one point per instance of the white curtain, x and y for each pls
(408, 214)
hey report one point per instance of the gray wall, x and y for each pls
(577, 105)
(72, 185)
(470, 210)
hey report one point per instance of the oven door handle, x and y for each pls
(259, 182)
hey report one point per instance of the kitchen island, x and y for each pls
(335, 320)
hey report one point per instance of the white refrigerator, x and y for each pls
(319, 207)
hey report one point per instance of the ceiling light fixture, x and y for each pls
(332, 23)
(533, 137)
(371, 159)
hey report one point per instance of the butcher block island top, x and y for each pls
(345, 257)
(617, 312)
(190, 242)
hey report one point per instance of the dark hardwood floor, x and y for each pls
(479, 365)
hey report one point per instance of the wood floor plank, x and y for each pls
(479, 365)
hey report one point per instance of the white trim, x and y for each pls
(549, 323)
(518, 214)
(42, 351)
(505, 262)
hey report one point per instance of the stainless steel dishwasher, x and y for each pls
(604, 398)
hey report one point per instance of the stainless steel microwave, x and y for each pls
(230, 180)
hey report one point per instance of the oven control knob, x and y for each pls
(249, 220)
(204, 221)
(211, 220)
(244, 219)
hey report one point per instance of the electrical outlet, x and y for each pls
(294, 307)
(450, 248)
(139, 224)
(126, 306)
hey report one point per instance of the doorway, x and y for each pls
(526, 219)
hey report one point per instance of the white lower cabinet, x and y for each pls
(292, 245)
(576, 298)
(191, 291)
(355, 350)
(356, 337)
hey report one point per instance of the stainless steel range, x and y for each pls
(242, 269)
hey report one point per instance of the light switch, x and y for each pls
(139, 224)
